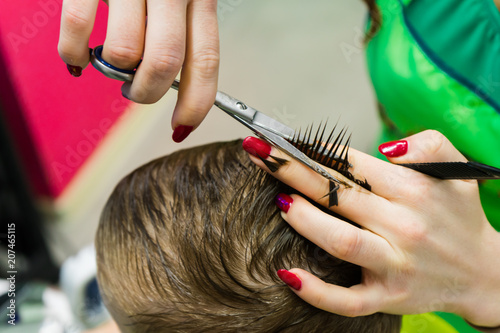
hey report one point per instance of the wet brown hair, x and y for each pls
(191, 242)
(375, 17)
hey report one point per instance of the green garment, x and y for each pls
(435, 64)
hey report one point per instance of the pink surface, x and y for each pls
(55, 120)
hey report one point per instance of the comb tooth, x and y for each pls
(335, 165)
(292, 140)
(346, 158)
(315, 141)
(312, 143)
(334, 147)
(307, 136)
(308, 142)
(320, 143)
(325, 146)
(296, 138)
(303, 141)
(344, 152)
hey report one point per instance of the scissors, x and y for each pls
(262, 125)
(279, 134)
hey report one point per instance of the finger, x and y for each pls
(337, 237)
(201, 66)
(358, 300)
(355, 203)
(163, 54)
(77, 21)
(124, 42)
(423, 147)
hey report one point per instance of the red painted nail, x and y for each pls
(394, 148)
(181, 132)
(76, 71)
(283, 201)
(290, 279)
(256, 147)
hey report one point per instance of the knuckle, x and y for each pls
(418, 189)
(346, 245)
(414, 232)
(206, 62)
(321, 300)
(298, 214)
(198, 108)
(75, 19)
(354, 307)
(209, 5)
(435, 140)
(122, 55)
(143, 95)
(165, 64)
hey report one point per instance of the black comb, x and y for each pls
(455, 170)
(332, 153)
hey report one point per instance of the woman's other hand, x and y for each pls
(425, 244)
(178, 33)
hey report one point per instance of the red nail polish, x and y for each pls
(256, 147)
(283, 201)
(394, 148)
(181, 132)
(290, 279)
(76, 71)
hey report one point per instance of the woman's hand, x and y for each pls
(179, 33)
(425, 244)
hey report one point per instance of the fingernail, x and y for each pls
(394, 148)
(290, 279)
(126, 90)
(256, 147)
(283, 201)
(181, 132)
(76, 71)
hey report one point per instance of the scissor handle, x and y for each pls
(109, 70)
(223, 101)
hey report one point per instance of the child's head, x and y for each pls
(191, 242)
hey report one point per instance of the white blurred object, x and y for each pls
(79, 284)
(58, 316)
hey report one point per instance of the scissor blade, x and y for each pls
(290, 149)
(237, 108)
(272, 125)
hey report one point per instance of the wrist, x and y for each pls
(482, 307)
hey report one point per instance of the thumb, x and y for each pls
(423, 147)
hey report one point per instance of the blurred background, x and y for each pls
(66, 142)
